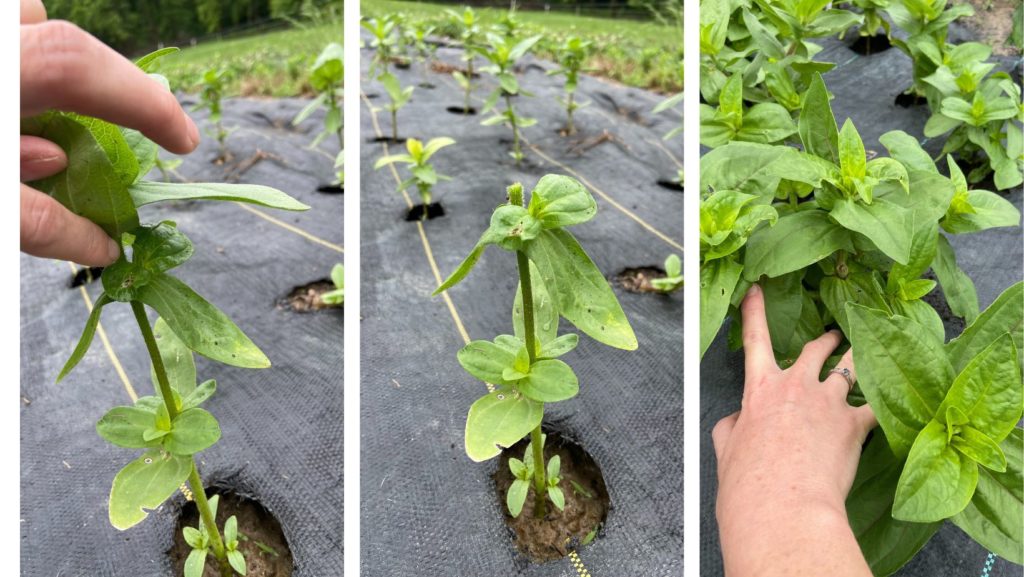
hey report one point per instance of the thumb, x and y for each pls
(49, 230)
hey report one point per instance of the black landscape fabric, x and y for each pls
(282, 426)
(427, 509)
(865, 89)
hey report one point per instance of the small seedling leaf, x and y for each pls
(516, 496)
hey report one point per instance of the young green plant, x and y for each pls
(673, 279)
(103, 182)
(417, 159)
(382, 42)
(336, 297)
(211, 90)
(470, 34)
(327, 77)
(556, 279)
(502, 56)
(571, 55)
(398, 98)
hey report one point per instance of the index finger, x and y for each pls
(66, 68)
(757, 342)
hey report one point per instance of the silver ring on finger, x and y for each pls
(846, 374)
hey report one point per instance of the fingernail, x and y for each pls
(755, 289)
(40, 159)
(193, 132)
(113, 250)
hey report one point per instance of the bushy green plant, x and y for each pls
(423, 174)
(556, 279)
(104, 183)
(570, 56)
(502, 57)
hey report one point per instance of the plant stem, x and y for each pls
(469, 84)
(394, 123)
(517, 153)
(842, 270)
(571, 127)
(540, 483)
(194, 481)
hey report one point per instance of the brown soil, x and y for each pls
(306, 298)
(560, 532)
(638, 280)
(992, 22)
(255, 523)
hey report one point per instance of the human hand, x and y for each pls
(65, 68)
(787, 459)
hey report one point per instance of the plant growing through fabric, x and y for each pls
(950, 446)
(424, 50)
(673, 279)
(570, 56)
(336, 297)
(873, 21)
(211, 90)
(422, 172)
(502, 56)
(926, 23)
(327, 77)
(382, 42)
(556, 279)
(104, 183)
(470, 34)
(398, 97)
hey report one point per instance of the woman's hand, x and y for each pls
(65, 68)
(787, 459)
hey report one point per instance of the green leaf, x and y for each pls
(556, 496)
(518, 469)
(958, 288)
(988, 390)
(559, 346)
(86, 339)
(902, 371)
(195, 563)
(906, 150)
(499, 420)
(192, 431)
(767, 122)
(937, 481)
(796, 241)
(487, 361)
(516, 496)
(921, 313)
(231, 532)
(559, 201)
(144, 149)
(545, 315)
(147, 61)
(144, 484)
(887, 543)
(818, 131)
(981, 449)
(200, 325)
(511, 226)
(923, 246)
(887, 225)
(144, 192)
(1004, 315)
(463, 269)
(989, 211)
(995, 516)
(194, 538)
(199, 395)
(125, 427)
(554, 467)
(237, 561)
(852, 160)
(91, 186)
(717, 282)
(177, 359)
(581, 292)
(860, 288)
(548, 381)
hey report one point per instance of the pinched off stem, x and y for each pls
(194, 481)
(540, 483)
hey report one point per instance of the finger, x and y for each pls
(32, 11)
(757, 343)
(816, 352)
(865, 420)
(40, 158)
(49, 230)
(836, 381)
(720, 434)
(65, 68)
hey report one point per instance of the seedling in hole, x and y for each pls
(383, 43)
(673, 279)
(570, 56)
(503, 56)
(556, 279)
(871, 10)
(336, 297)
(418, 160)
(327, 77)
(211, 89)
(103, 183)
(470, 35)
(523, 473)
(424, 50)
(580, 490)
(399, 98)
